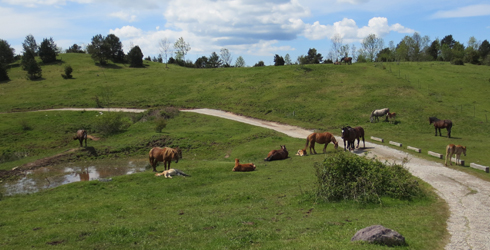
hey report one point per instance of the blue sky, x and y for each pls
(253, 29)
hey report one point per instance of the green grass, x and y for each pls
(271, 208)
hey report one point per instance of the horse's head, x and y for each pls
(464, 150)
(283, 147)
(336, 145)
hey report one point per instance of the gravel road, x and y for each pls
(468, 197)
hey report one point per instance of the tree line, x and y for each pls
(109, 48)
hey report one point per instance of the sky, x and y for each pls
(253, 29)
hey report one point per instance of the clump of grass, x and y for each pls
(160, 124)
(24, 124)
(349, 177)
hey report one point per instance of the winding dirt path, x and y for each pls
(468, 197)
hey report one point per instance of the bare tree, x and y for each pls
(353, 53)
(372, 45)
(182, 48)
(240, 62)
(226, 57)
(165, 49)
(287, 60)
(336, 46)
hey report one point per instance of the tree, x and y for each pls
(344, 50)
(384, 55)
(135, 57)
(336, 46)
(473, 43)
(448, 40)
(287, 60)
(313, 57)
(165, 50)
(30, 44)
(259, 64)
(214, 61)
(6, 52)
(181, 48)
(201, 62)
(354, 53)
(433, 50)
(372, 45)
(114, 48)
(99, 49)
(27, 56)
(226, 57)
(33, 70)
(48, 50)
(278, 60)
(484, 49)
(68, 71)
(3, 72)
(75, 48)
(240, 62)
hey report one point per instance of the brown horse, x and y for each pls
(246, 167)
(320, 138)
(350, 135)
(391, 116)
(438, 124)
(280, 154)
(452, 149)
(82, 135)
(165, 155)
(347, 60)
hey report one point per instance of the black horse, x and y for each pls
(438, 124)
(350, 135)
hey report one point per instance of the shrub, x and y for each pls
(457, 61)
(110, 123)
(160, 124)
(68, 70)
(349, 177)
(169, 112)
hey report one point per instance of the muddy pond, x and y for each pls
(56, 175)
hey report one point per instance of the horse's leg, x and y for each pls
(85, 141)
(325, 147)
(312, 146)
(344, 144)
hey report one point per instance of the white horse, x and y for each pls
(377, 113)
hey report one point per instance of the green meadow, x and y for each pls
(271, 208)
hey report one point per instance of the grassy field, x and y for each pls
(215, 209)
(271, 208)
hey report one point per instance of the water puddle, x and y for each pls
(56, 175)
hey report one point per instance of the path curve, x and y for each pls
(468, 197)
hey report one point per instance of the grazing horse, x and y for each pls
(350, 135)
(347, 60)
(377, 113)
(165, 155)
(391, 116)
(82, 135)
(438, 124)
(321, 138)
(277, 154)
(454, 149)
(246, 167)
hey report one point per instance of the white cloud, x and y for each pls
(353, 1)
(35, 24)
(127, 32)
(467, 11)
(35, 3)
(124, 16)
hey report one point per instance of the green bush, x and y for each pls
(457, 61)
(110, 123)
(160, 124)
(68, 71)
(348, 177)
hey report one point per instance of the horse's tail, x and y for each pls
(307, 141)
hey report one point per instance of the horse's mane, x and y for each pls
(433, 119)
(171, 152)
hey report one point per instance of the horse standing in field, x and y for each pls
(438, 124)
(347, 60)
(391, 116)
(280, 154)
(377, 113)
(350, 135)
(82, 135)
(321, 138)
(165, 155)
(454, 149)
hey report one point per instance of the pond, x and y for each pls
(56, 175)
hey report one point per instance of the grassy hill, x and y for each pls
(272, 208)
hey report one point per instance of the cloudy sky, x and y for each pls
(253, 29)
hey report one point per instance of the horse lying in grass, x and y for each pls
(280, 154)
(246, 167)
(82, 135)
(377, 113)
(172, 172)
(350, 135)
(165, 155)
(452, 149)
(438, 124)
(320, 138)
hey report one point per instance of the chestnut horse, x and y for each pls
(454, 149)
(438, 124)
(321, 138)
(246, 167)
(391, 116)
(280, 154)
(347, 60)
(165, 155)
(350, 135)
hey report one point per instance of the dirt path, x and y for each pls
(468, 197)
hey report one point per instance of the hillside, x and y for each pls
(323, 97)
